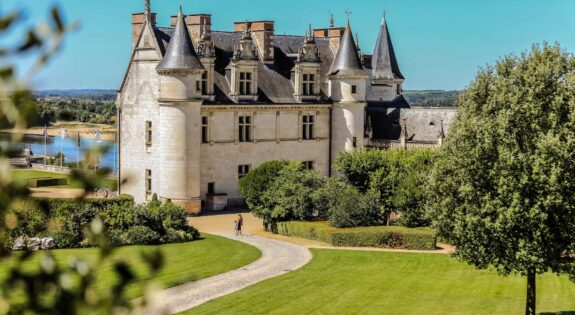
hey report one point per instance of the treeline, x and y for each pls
(74, 109)
(432, 98)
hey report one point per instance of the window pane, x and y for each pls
(248, 134)
(248, 119)
(248, 75)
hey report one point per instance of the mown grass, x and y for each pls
(183, 262)
(23, 175)
(363, 282)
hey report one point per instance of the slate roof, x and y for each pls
(422, 124)
(347, 61)
(274, 80)
(384, 63)
(180, 54)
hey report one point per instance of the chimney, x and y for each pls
(138, 20)
(263, 34)
(335, 34)
(321, 33)
(195, 23)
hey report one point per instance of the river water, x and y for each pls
(68, 146)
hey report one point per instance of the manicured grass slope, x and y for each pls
(360, 282)
(184, 262)
(22, 175)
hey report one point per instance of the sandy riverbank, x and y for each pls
(87, 131)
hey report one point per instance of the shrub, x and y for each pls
(125, 222)
(377, 236)
(348, 207)
(139, 234)
(32, 219)
(47, 182)
(255, 183)
(290, 195)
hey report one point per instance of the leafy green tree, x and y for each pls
(357, 166)
(502, 190)
(252, 186)
(348, 207)
(292, 195)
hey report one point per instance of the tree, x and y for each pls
(357, 166)
(502, 188)
(291, 195)
(255, 183)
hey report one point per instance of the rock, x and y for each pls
(47, 243)
(19, 243)
(34, 243)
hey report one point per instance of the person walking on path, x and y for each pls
(238, 223)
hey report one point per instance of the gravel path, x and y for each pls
(277, 258)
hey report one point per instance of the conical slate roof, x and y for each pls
(347, 60)
(384, 62)
(180, 54)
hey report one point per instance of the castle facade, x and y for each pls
(198, 108)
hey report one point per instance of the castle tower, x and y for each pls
(180, 116)
(386, 78)
(347, 81)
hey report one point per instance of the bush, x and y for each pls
(377, 236)
(137, 235)
(47, 182)
(252, 186)
(348, 207)
(125, 222)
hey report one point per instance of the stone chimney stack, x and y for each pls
(263, 34)
(335, 35)
(138, 20)
(198, 24)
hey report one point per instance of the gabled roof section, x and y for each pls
(384, 62)
(347, 60)
(180, 54)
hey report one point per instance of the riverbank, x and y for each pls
(86, 130)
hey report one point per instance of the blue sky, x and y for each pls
(440, 43)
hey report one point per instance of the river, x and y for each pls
(68, 147)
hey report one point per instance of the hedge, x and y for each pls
(375, 236)
(47, 182)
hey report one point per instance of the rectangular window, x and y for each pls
(148, 133)
(205, 83)
(243, 170)
(308, 127)
(308, 165)
(205, 130)
(354, 89)
(308, 84)
(354, 142)
(245, 83)
(148, 182)
(211, 188)
(245, 128)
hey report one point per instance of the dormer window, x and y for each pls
(308, 84)
(245, 83)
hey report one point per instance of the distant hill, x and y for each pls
(78, 94)
(417, 98)
(431, 98)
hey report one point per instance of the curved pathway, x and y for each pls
(277, 258)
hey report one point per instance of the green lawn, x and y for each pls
(183, 262)
(362, 282)
(23, 175)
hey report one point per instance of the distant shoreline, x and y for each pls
(87, 131)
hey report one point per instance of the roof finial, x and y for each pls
(348, 13)
(331, 20)
(357, 39)
(148, 7)
(309, 31)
